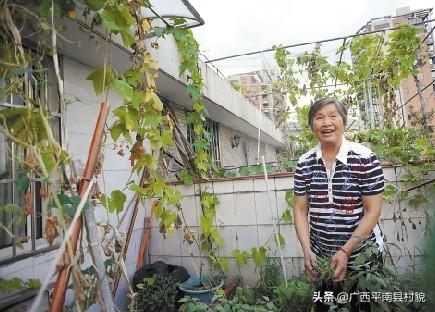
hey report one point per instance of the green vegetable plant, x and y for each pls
(242, 301)
(157, 293)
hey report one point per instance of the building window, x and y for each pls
(211, 127)
(18, 239)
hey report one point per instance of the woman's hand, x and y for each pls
(339, 262)
(309, 258)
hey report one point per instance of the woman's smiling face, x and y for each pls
(328, 125)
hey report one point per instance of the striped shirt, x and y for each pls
(335, 198)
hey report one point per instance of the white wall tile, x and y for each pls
(284, 183)
(16, 267)
(249, 273)
(229, 235)
(247, 237)
(156, 242)
(167, 259)
(223, 187)
(413, 239)
(243, 185)
(390, 174)
(23, 274)
(292, 246)
(233, 269)
(261, 186)
(172, 243)
(265, 213)
(295, 266)
(190, 211)
(133, 248)
(245, 209)
(186, 190)
(193, 265)
(141, 217)
(226, 211)
(389, 208)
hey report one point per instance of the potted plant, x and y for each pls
(203, 287)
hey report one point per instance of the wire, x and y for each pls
(314, 42)
(433, 81)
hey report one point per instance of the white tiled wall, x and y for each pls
(245, 220)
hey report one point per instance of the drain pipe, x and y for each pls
(274, 221)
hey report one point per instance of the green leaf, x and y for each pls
(186, 178)
(123, 88)
(116, 131)
(205, 224)
(157, 186)
(286, 216)
(149, 281)
(224, 264)
(173, 195)
(12, 209)
(244, 171)
(127, 37)
(118, 200)
(389, 192)
(69, 203)
(23, 181)
(117, 18)
(289, 197)
(95, 5)
(166, 139)
(90, 270)
(101, 79)
(200, 144)
(153, 120)
(115, 203)
(241, 257)
(281, 240)
(258, 255)
(157, 103)
(138, 189)
(33, 283)
(48, 160)
(194, 92)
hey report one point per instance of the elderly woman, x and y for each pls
(339, 185)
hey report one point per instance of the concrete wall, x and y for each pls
(245, 221)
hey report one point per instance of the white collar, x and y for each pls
(342, 152)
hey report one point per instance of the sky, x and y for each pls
(240, 26)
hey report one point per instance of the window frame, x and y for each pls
(35, 222)
(215, 148)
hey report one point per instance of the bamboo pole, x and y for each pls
(269, 196)
(129, 233)
(144, 242)
(94, 150)
(97, 255)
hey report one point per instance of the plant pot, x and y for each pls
(193, 288)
